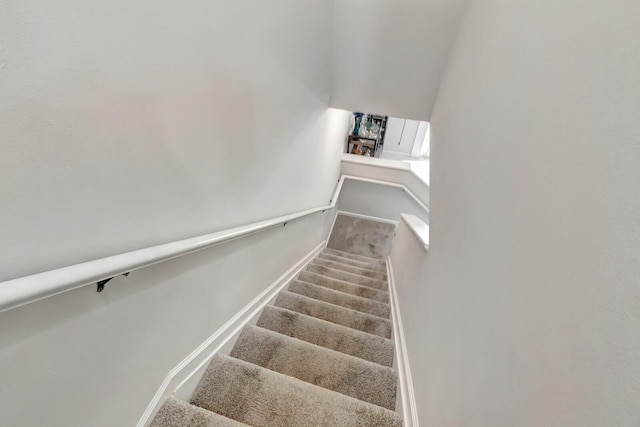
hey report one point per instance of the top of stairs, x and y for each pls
(362, 237)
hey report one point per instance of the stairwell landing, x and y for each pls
(320, 355)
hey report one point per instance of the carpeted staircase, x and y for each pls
(321, 355)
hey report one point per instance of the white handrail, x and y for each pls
(24, 290)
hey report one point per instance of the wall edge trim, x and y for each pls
(212, 345)
(407, 394)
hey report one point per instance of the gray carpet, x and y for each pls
(321, 355)
(329, 335)
(338, 298)
(326, 368)
(260, 397)
(376, 274)
(178, 413)
(362, 236)
(334, 314)
(348, 277)
(342, 286)
(375, 262)
(326, 256)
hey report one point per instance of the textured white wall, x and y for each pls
(529, 298)
(128, 124)
(389, 55)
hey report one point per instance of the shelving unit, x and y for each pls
(360, 145)
(359, 142)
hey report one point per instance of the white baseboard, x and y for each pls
(408, 398)
(187, 371)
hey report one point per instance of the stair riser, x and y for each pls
(348, 277)
(335, 314)
(354, 257)
(352, 262)
(346, 287)
(326, 334)
(350, 269)
(329, 369)
(363, 305)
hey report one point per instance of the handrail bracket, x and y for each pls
(101, 283)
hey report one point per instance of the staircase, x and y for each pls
(322, 354)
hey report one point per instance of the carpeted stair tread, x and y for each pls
(334, 313)
(320, 366)
(348, 277)
(349, 255)
(326, 334)
(346, 287)
(348, 261)
(351, 269)
(257, 396)
(176, 413)
(342, 299)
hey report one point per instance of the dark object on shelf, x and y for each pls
(358, 119)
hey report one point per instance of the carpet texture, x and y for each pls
(178, 413)
(257, 396)
(348, 277)
(321, 355)
(326, 368)
(362, 236)
(351, 269)
(326, 256)
(334, 314)
(342, 286)
(329, 335)
(375, 262)
(339, 298)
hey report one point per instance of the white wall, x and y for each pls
(389, 55)
(409, 174)
(404, 138)
(96, 359)
(379, 201)
(128, 124)
(400, 136)
(422, 138)
(394, 132)
(529, 297)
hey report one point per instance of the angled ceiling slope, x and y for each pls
(389, 56)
